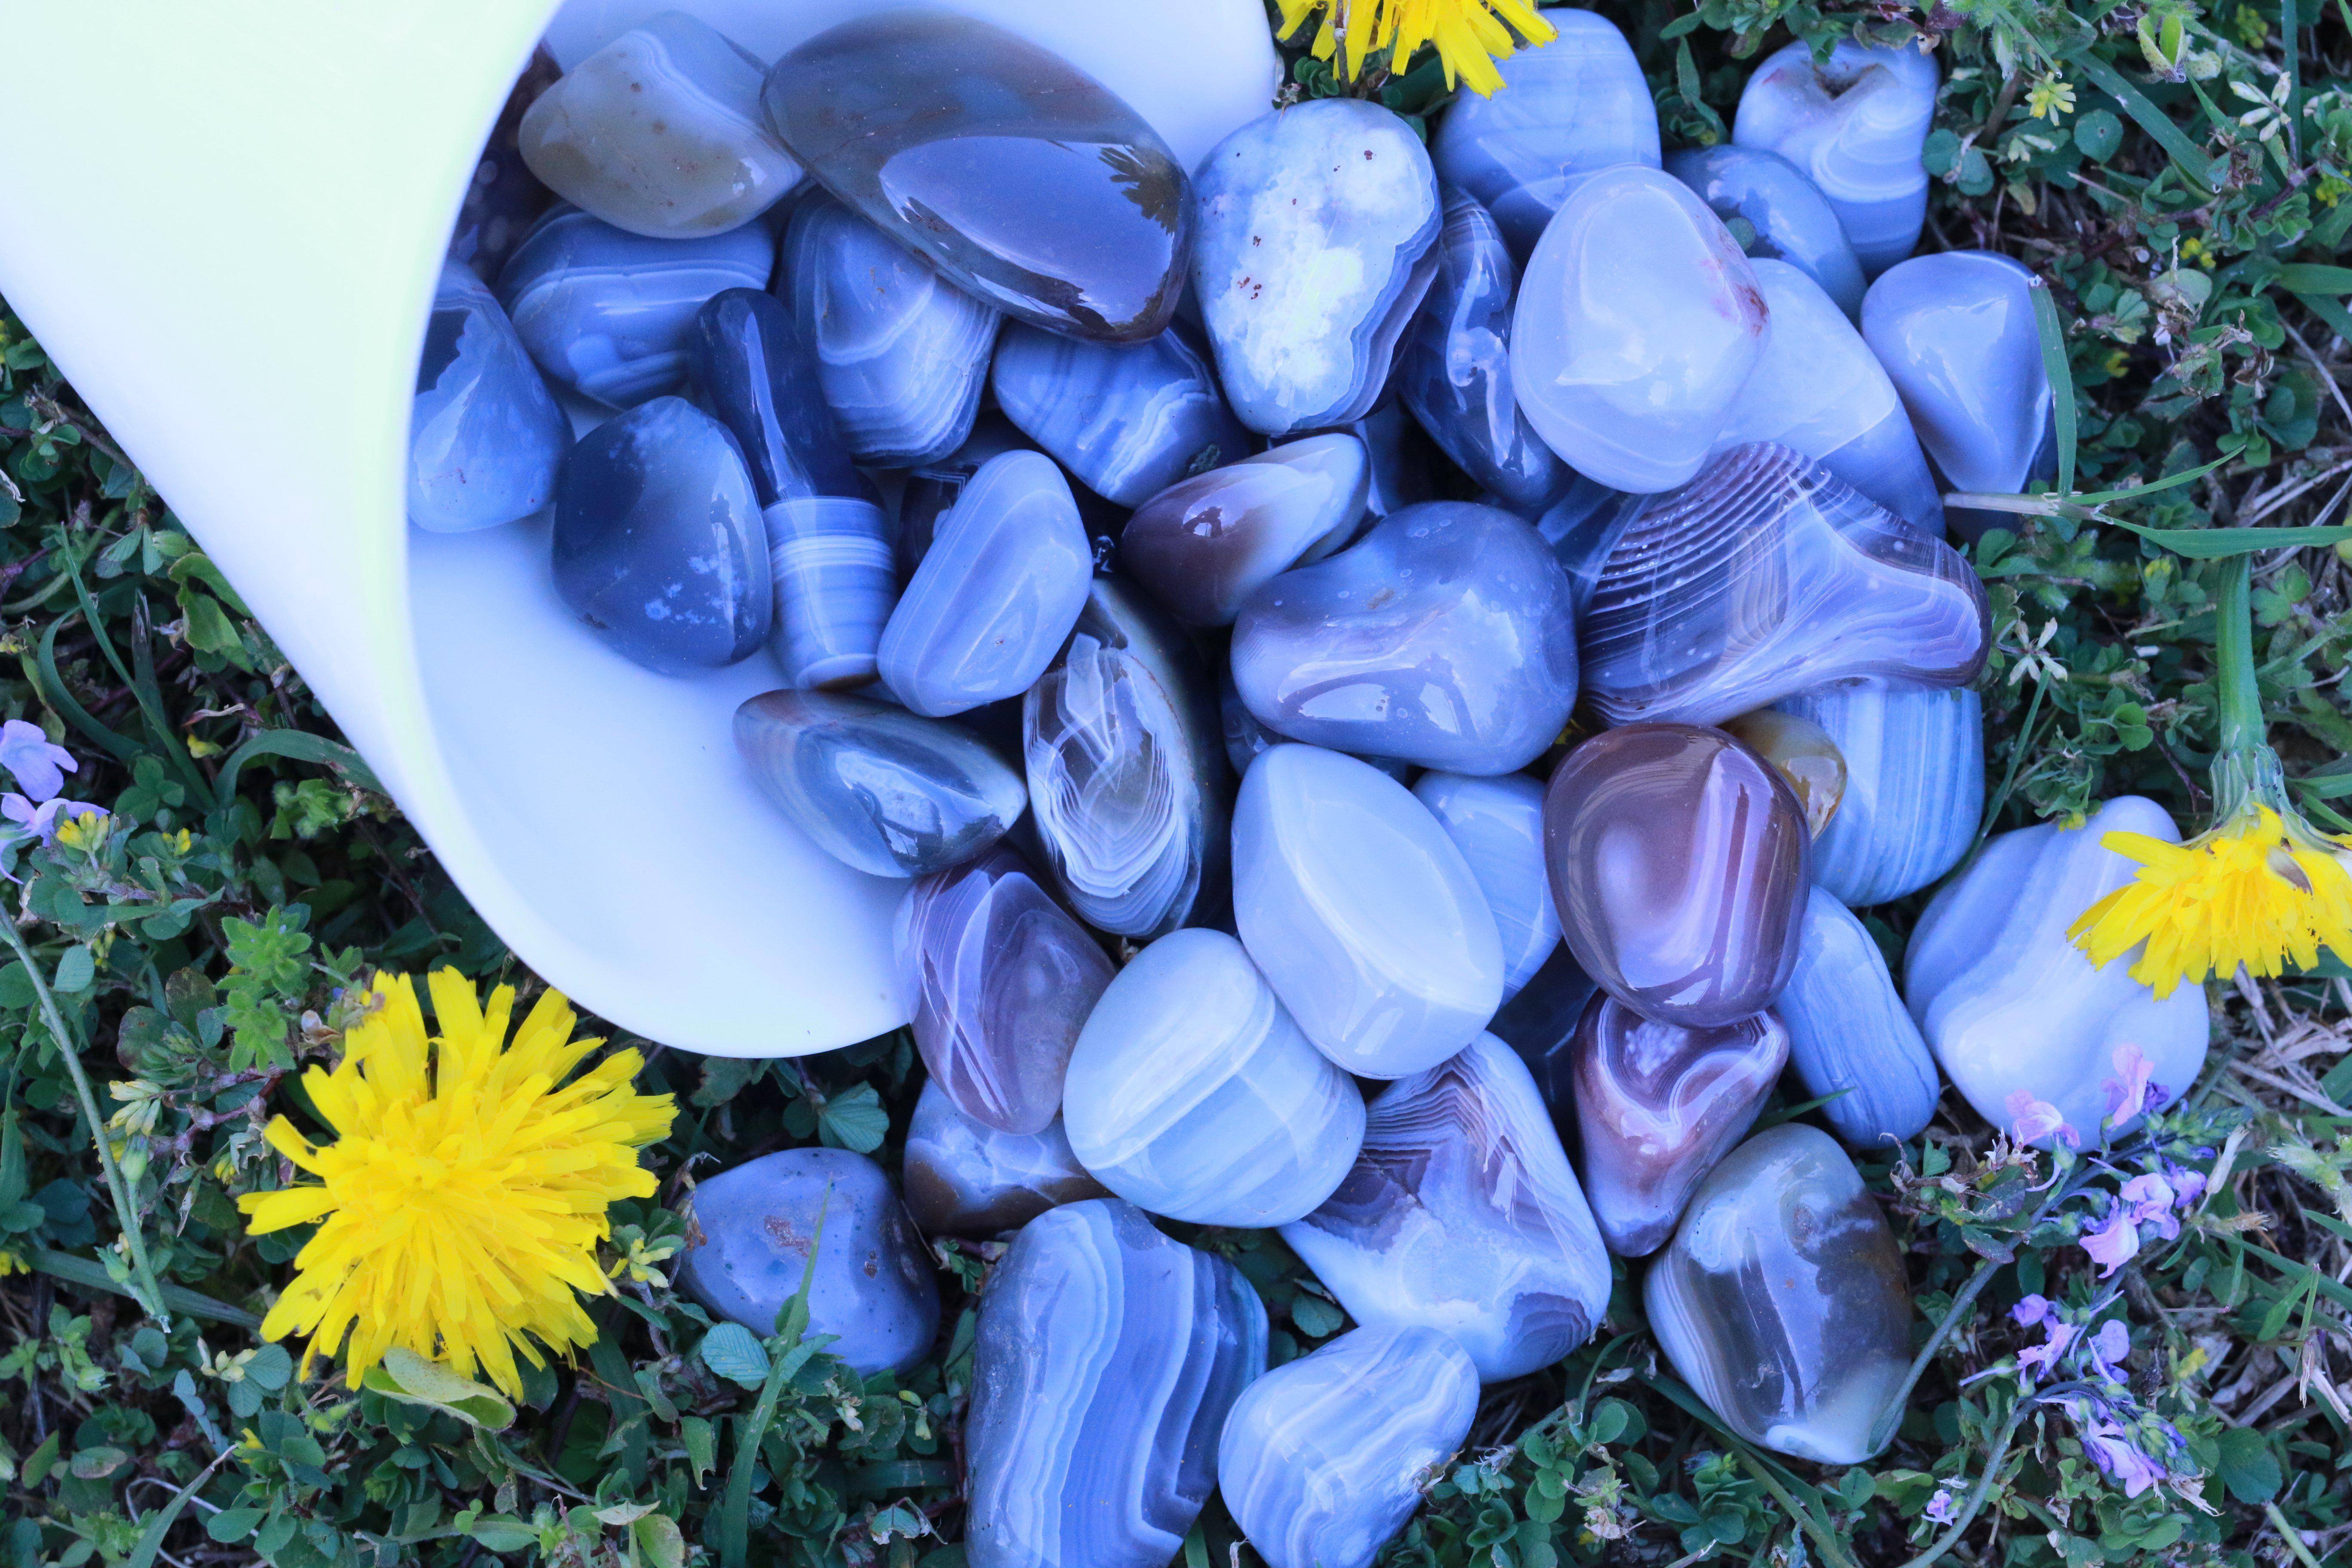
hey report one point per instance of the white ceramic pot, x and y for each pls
(224, 222)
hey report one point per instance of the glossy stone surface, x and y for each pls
(1802, 752)
(1108, 1357)
(658, 543)
(932, 490)
(1915, 784)
(1126, 419)
(2009, 1005)
(965, 1178)
(1127, 769)
(1781, 1300)
(875, 787)
(1361, 912)
(752, 1235)
(1454, 368)
(1788, 217)
(660, 133)
(504, 198)
(1024, 180)
(1193, 1095)
(1575, 106)
(1204, 544)
(486, 441)
(1849, 1035)
(1854, 125)
(1323, 1458)
(1444, 638)
(1817, 390)
(1637, 325)
(1678, 860)
(997, 594)
(1656, 1107)
(1462, 1215)
(606, 314)
(1316, 231)
(1763, 577)
(1955, 332)
(1497, 824)
(998, 981)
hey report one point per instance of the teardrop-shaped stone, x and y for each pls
(1638, 322)
(965, 1178)
(1763, 577)
(1107, 1359)
(875, 787)
(486, 441)
(1323, 1460)
(1781, 1300)
(1855, 125)
(753, 1235)
(1462, 1213)
(1914, 783)
(1849, 1035)
(2009, 1005)
(1361, 912)
(1126, 419)
(997, 594)
(1445, 636)
(1027, 181)
(1204, 544)
(1803, 752)
(1316, 229)
(1787, 216)
(1497, 824)
(1678, 860)
(1657, 1106)
(1192, 1094)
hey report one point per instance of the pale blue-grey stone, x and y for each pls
(966, 1178)
(1788, 217)
(1107, 1359)
(1127, 419)
(1324, 1458)
(1315, 242)
(1914, 783)
(1849, 1035)
(932, 490)
(1497, 824)
(1854, 125)
(1204, 544)
(486, 440)
(1403, 458)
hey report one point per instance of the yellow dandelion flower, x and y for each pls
(460, 1206)
(1470, 35)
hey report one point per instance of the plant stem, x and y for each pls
(1821, 1538)
(2292, 1538)
(1999, 1451)
(2233, 647)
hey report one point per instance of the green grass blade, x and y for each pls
(2187, 156)
(91, 1275)
(2055, 365)
(2222, 543)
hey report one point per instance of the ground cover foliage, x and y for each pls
(2181, 175)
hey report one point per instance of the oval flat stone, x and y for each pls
(1786, 213)
(1915, 784)
(965, 1178)
(1849, 1036)
(1445, 636)
(1023, 179)
(1678, 860)
(1497, 824)
(486, 441)
(1361, 912)
(1855, 125)
(1204, 544)
(1127, 419)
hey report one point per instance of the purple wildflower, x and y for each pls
(2108, 1347)
(2114, 1244)
(41, 821)
(2037, 1310)
(1945, 1506)
(2150, 1199)
(2120, 1454)
(2132, 1095)
(2187, 1185)
(2032, 1121)
(40, 767)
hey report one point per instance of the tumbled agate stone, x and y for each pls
(1108, 1357)
(660, 133)
(1027, 181)
(1204, 544)
(1788, 217)
(1361, 912)
(606, 313)
(486, 440)
(1638, 322)
(2009, 1005)
(1765, 576)
(1656, 1107)
(504, 197)
(1126, 419)
(995, 595)
(1454, 368)
(1849, 1035)
(1574, 107)
(1445, 636)
(1803, 752)
(1781, 1300)
(1316, 229)
(658, 543)
(1462, 1215)
(998, 980)
(1126, 770)
(1323, 1458)
(753, 1235)
(875, 787)
(1914, 783)
(1678, 860)
(1854, 125)
(932, 490)
(965, 1178)
(1497, 824)
(1193, 1095)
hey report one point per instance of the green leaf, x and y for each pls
(232, 1524)
(732, 1352)
(271, 1367)
(76, 970)
(1316, 1317)
(160, 1523)
(2314, 278)
(2187, 156)
(92, 1276)
(2098, 134)
(2220, 544)
(854, 1120)
(300, 746)
(701, 1441)
(405, 1375)
(502, 1533)
(2249, 1469)
(659, 1540)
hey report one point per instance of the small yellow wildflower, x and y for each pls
(2050, 95)
(460, 1208)
(640, 1259)
(2192, 250)
(10, 1264)
(87, 831)
(1470, 35)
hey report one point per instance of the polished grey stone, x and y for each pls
(1915, 784)
(1855, 125)
(1204, 544)
(1849, 1035)
(1787, 218)
(965, 1178)
(1126, 419)
(1497, 824)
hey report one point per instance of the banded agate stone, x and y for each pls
(1204, 544)
(1497, 824)
(965, 1178)
(1849, 1035)
(1787, 218)
(1855, 125)
(1126, 419)
(1803, 754)
(1915, 784)
(486, 440)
